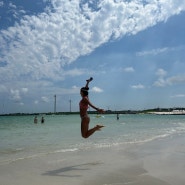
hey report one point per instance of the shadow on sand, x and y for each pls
(63, 171)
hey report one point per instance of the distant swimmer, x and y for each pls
(35, 120)
(84, 104)
(117, 116)
(42, 119)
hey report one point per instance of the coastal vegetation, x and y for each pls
(171, 111)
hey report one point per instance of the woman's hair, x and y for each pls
(85, 90)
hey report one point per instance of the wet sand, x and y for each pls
(160, 162)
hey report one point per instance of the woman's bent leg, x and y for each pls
(86, 132)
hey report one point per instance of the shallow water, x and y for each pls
(22, 139)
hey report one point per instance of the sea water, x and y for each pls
(21, 139)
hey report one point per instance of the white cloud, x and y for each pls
(161, 73)
(74, 72)
(153, 51)
(24, 90)
(41, 45)
(3, 88)
(174, 80)
(178, 96)
(161, 82)
(97, 90)
(129, 69)
(139, 86)
(11, 5)
(36, 102)
(159, 51)
(1, 3)
(179, 79)
(44, 99)
(15, 95)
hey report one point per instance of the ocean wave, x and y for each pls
(11, 160)
(11, 150)
(128, 141)
(65, 150)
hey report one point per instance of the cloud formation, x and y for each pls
(129, 69)
(153, 52)
(37, 50)
(163, 81)
(138, 86)
(39, 46)
(96, 89)
(178, 96)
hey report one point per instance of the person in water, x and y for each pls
(84, 104)
(42, 119)
(35, 120)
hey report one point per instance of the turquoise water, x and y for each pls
(20, 138)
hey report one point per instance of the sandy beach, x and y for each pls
(158, 162)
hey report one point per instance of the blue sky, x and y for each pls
(133, 49)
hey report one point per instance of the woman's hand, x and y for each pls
(100, 110)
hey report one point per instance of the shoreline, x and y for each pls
(158, 162)
(158, 111)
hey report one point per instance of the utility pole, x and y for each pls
(55, 103)
(70, 105)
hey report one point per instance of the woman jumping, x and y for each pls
(84, 103)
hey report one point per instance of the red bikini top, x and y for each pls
(83, 103)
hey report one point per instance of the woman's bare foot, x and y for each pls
(98, 127)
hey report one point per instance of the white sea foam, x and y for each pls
(37, 155)
(66, 150)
